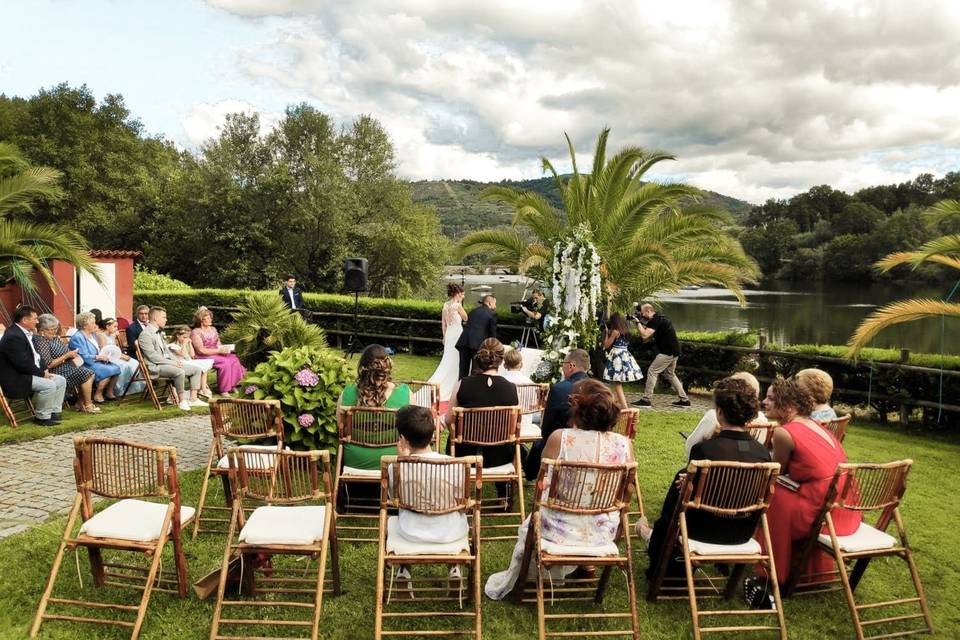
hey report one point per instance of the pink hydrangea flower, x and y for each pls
(306, 419)
(306, 378)
(250, 389)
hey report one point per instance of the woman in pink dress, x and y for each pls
(206, 344)
(809, 454)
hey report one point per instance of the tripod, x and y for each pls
(354, 345)
(529, 331)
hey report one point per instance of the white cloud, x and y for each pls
(757, 99)
(204, 120)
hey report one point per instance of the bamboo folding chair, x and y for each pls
(129, 472)
(869, 489)
(725, 489)
(762, 432)
(290, 524)
(239, 420)
(424, 394)
(370, 427)
(532, 399)
(838, 427)
(487, 427)
(143, 375)
(431, 487)
(626, 425)
(588, 490)
(14, 410)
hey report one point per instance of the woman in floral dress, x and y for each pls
(593, 412)
(621, 366)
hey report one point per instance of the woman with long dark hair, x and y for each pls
(621, 366)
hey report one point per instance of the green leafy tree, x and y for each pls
(945, 251)
(771, 244)
(27, 248)
(649, 237)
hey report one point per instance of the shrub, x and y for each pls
(264, 324)
(701, 361)
(307, 381)
(148, 280)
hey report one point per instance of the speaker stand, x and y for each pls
(353, 344)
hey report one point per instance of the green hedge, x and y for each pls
(702, 362)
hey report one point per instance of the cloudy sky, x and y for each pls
(756, 98)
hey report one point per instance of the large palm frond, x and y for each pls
(23, 243)
(943, 250)
(898, 313)
(942, 211)
(505, 246)
(21, 184)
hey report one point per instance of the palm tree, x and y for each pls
(651, 237)
(26, 248)
(944, 250)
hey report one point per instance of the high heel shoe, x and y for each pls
(89, 408)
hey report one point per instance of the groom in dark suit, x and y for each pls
(481, 324)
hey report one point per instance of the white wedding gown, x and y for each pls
(448, 371)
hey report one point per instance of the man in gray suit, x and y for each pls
(161, 361)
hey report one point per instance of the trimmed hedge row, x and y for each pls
(704, 359)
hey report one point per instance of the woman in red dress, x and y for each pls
(809, 454)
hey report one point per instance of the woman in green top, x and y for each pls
(372, 389)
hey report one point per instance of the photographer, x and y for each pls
(536, 309)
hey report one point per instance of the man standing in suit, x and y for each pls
(556, 412)
(161, 361)
(481, 324)
(136, 327)
(21, 372)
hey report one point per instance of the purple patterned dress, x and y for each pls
(229, 369)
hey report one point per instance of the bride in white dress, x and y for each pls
(451, 323)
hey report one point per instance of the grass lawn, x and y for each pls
(931, 504)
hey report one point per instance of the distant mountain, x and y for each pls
(461, 209)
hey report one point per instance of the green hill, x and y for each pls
(461, 209)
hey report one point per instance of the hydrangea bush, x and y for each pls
(307, 381)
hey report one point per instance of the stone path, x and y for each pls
(36, 477)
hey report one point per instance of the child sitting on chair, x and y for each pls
(416, 428)
(182, 347)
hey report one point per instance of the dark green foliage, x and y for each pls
(263, 324)
(307, 381)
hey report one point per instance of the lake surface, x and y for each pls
(789, 312)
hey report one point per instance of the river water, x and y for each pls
(789, 312)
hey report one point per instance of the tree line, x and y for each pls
(244, 209)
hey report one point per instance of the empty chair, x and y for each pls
(579, 489)
(532, 399)
(872, 489)
(440, 493)
(726, 490)
(128, 472)
(299, 520)
(482, 427)
(236, 419)
(424, 394)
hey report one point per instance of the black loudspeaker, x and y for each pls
(355, 274)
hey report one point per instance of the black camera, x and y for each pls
(519, 305)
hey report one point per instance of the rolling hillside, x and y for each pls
(461, 209)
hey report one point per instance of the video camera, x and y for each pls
(519, 305)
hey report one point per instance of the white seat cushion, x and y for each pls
(530, 431)
(284, 525)
(400, 546)
(865, 538)
(503, 469)
(366, 473)
(252, 460)
(554, 549)
(134, 520)
(750, 547)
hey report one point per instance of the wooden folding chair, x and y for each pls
(429, 487)
(626, 425)
(129, 472)
(14, 410)
(122, 341)
(762, 432)
(867, 488)
(486, 427)
(838, 427)
(725, 489)
(144, 375)
(298, 520)
(373, 428)
(588, 490)
(532, 399)
(242, 420)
